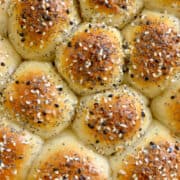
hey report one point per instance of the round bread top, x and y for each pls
(39, 20)
(111, 6)
(155, 51)
(38, 98)
(66, 158)
(92, 58)
(108, 120)
(34, 97)
(154, 55)
(114, 117)
(156, 161)
(13, 147)
(69, 164)
(115, 13)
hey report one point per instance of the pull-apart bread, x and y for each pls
(89, 89)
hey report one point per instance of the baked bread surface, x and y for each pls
(89, 89)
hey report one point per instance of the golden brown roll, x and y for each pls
(18, 148)
(166, 107)
(36, 26)
(112, 120)
(152, 52)
(3, 17)
(170, 6)
(9, 60)
(92, 60)
(112, 12)
(156, 156)
(66, 158)
(38, 99)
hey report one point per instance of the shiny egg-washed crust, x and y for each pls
(9, 60)
(74, 161)
(38, 99)
(170, 6)
(18, 148)
(3, 17)
(166, 107)
(152, 50)
(156, 156)
(115, 13)
(112, 120)
(92, 60)
(36, 26)
(115, 137)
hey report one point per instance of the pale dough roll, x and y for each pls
(9, 61)
(170, 6)
(166, 107)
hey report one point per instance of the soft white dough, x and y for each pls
(166, 107)
(9, 61)
(170, 6)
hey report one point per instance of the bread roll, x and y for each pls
(65, 158)
(112, 12)
(152, 52)
(92, 60)
(18, 148)
(112, 120)
(166, 107)
(9, 60)
(170, 6)
(3, 17)
(38, 99)
(156, 156)
(36, 26)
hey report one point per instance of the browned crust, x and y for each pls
(110, 6)
(13, 149)
(157, 161)
(69, 164)
(33, 97)
(91, 58)
(155, 56)
(114, 118)
(38, 20)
